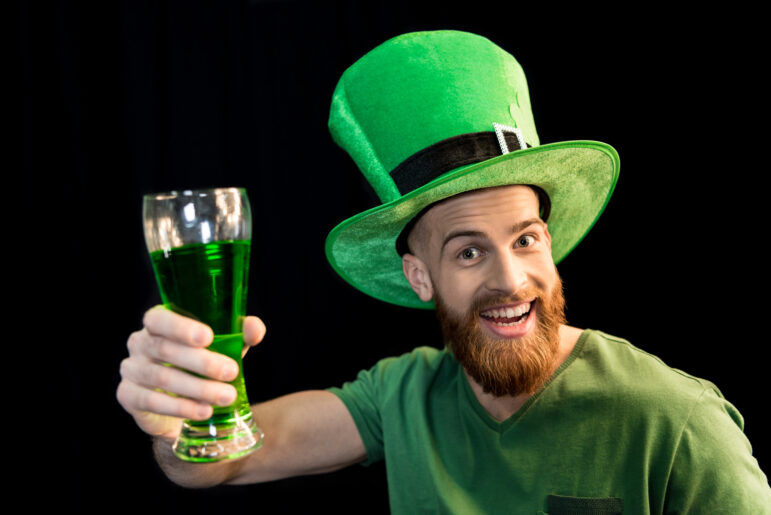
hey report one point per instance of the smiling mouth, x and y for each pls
(507, 316)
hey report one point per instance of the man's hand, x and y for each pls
(305, 433)
(157, 395)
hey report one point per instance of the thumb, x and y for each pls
(254, 332)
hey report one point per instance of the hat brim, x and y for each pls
(578, 176)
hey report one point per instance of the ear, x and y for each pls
(417, 275)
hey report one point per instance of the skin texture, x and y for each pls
(313, 432)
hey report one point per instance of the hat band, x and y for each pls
(441, 157)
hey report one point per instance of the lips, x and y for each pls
(510, 320)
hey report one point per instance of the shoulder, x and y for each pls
(631, 370)
(673, 413)
(421, 366)
(419, 358)
(611, 375)
(392, 386)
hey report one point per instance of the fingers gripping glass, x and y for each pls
(199, 245)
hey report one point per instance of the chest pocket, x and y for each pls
(566, 505)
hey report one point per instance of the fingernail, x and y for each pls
(203, 411)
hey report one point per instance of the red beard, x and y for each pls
(506, 366)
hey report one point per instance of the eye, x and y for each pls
(525, 241)
(470, 253)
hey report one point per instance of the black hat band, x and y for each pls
(426, 165)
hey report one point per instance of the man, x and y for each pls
(520, 412)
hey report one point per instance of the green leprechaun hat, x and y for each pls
(429, 115)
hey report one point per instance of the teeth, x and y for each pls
(509, 324)
(507, 312)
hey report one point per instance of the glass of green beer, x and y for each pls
(199, 245)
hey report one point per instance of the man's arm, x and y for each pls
(305, 433)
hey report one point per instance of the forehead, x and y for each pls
(504, 204)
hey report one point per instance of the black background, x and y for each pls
(124, 98)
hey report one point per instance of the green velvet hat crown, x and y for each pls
(429, 115)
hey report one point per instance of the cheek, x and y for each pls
(542, 272)
(551, 275)
(458, 289)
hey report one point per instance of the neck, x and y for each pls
(501, 408)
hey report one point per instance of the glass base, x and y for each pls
(208, 441)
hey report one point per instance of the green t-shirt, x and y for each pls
(614, 426)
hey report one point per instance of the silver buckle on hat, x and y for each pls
(500, 129)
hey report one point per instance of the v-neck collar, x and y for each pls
(505, 425)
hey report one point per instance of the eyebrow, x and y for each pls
(479, 234)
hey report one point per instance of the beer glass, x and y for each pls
(199, 245)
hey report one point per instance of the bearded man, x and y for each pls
(520, 412)
(505, 336)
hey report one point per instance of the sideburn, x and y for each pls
(501, 366)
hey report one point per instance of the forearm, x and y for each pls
(189, 474)
(305, 433)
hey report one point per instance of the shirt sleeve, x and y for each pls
(713, 469)
(361, 397)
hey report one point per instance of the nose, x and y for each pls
(507, 275)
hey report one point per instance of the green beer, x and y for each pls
(208, 282)
(199, 241)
